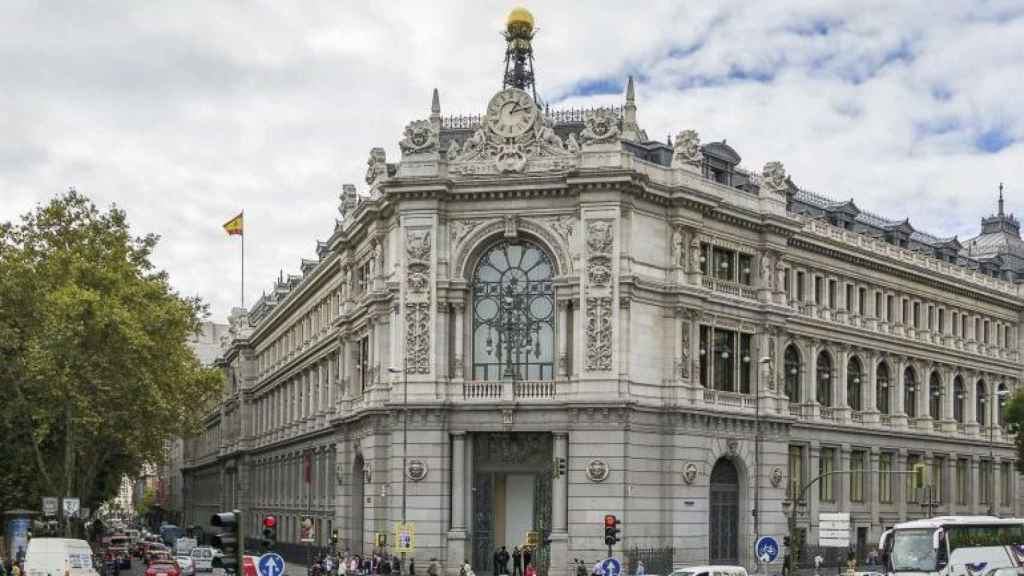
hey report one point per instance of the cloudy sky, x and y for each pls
(184, 113)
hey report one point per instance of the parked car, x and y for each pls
(188, 568)
(67, 556)
(163, 568)
(202, 558)
(155, 548)
(710, 571)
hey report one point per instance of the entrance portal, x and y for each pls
(511, 496)
(724, 514)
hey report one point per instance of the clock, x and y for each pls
(511, 112)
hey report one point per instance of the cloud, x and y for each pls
(186, 113)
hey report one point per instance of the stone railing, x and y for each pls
(828, 413)
(728, 399)
(728, 287)
(857, 417)
(823, 229)
(796, 410)
(885, 420)
(484, 391)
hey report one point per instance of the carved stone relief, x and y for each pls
(684, 357)
(690, 473)
(774, 178)
(686, 149)
(417, 337)
(416, 470)
(419, 138)
(527, 448)
(459, 229)
(776, 477)
(600, 126)
(599, 333)
(597, 470)
(376, 166)
(565, 227)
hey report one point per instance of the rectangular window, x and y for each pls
(705, 258)
(862, 300)
(962, 480)
(885, 477)
(938, 486)
(796, 467)
(363, 362)
(942, 320)
(787, 284)
(849, 297)
(832, 304)
(724, 262)
(826, 465)
(801, 283)
(917, 314)
(818, 291)
(745, 363)
(915, 481)
(985, 481)
(857, 459)
(878, 304)
(724, 351)
(705, 347)
(955, 323)
(745, 273)
(1005, 483)
(985, 333)
(905, 313)
(889, 312)
(930, 321)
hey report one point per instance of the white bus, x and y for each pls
(953, 546)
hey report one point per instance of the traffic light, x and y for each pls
(611, 530)
(229, 539)
(269, 531)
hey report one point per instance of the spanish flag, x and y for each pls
(234, 226)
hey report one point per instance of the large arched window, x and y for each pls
(824, 377)
(853, 379)
(980, 403)
(958, 399)
(792, 366)
(513, 313)
(935, 396)
(882, 385)
(1001, 397)
(909, 392)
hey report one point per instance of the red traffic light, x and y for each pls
(610, 520)
(269, 521)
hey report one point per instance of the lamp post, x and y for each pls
(405, 433)
(765, 361)
(993, 410)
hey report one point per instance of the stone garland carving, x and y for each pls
(419, 138)
(771, 364)
(686, 149)
(599, 236)
(527, 448)
(599, 333)
(684, 357)
(417, 337)
(565, 226)
(774, 178)
(600, 126)
(597, 470)
(417, 248)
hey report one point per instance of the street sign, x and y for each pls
(834, 529)
(270, 564)
(611, 567)
(308, 530)
(50, 506)
(766, 549)
(405, 536)
(70, 507)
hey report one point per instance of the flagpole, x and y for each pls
(243, 259)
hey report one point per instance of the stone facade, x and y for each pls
(692, 303)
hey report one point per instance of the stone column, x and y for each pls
(900, 483)
(873, 487)
(869, 388)
(813, 507)
(839, 384)
(899, 394)
(458, 355)
(560, 510)
(971, 404)
(458, 543)
(995, 478)
(949, 486)
(974, 486)
(844, 479)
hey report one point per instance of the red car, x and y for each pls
(249, 565)
(163, 568)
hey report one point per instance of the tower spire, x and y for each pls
(1001, 199)
(435, 111)
(630, 128)
(519, 51)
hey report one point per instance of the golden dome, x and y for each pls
(519, 17)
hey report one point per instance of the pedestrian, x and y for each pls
(530, 570)
(641, 570)
(434, 569)
(598, 569)
(528, 556)
(412, 567)
(504, 560)
(496, 562)
(517, 561)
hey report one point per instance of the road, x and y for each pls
(139, 569)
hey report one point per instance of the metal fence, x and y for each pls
(657, 560)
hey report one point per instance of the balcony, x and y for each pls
(729, 400)
(509, 391)
(728, 287)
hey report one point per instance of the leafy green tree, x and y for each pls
(95, 370)
(1013, 414)
(147, 501)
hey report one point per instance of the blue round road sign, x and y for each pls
(611, 567)
(270, 564)
(767, 549)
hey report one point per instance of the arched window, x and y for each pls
(909, 392)
(882, 386)
(853, 380)
(792, 366)
(958, 399)
(513, 313)
(935, 396)
(980, 403)
(824, 377)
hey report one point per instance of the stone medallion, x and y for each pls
(416, 470)
(690, 473)
(597, 470)
(776, 476)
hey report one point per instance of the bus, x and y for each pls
(953, 546)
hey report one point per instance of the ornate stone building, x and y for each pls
(533, 286)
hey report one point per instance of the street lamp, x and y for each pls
(1000, 393)
(404, 436)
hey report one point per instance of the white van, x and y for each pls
(202, 558)
(710, 571)
(59, 557)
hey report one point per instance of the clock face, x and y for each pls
(511, 112)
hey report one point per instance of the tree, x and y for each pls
(146, 502)
(1013, 414)
(94, 364)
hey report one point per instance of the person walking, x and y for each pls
(530, 570)
(504, 558)
(641, 570)
(517, 561)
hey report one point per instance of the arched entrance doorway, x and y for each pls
(724, 514)
(356, 535)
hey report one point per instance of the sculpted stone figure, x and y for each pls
(548, 137)
(687, 148)
(419, 137)
(376, 165)
(571, 144)
(766, 271)
(600, 126)
(774, 177)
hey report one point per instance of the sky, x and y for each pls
(185, 113)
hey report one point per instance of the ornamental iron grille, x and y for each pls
(723, 519)
(513, 313)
